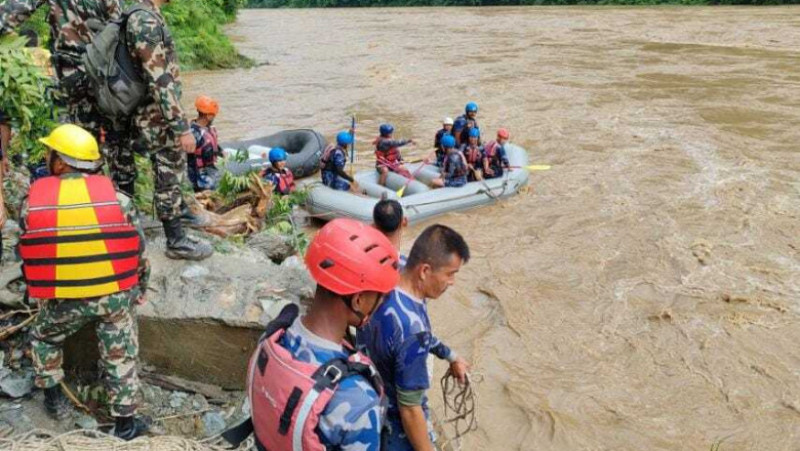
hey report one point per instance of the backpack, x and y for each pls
(114, 78)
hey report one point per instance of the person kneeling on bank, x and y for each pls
(278, 174)
(82, 249)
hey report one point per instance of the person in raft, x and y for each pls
(278, 174)
(473, 153)
(387, 154)
(454, 169)
(495, 158)
(459, 125)
(333, 161)
(447, 129)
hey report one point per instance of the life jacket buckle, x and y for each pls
(337, 374)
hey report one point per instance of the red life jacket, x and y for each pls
(327, 158)
(285, 181)
(287, 396)
(473, 156)
(209, 139)
(490, 149)
(77, 241)
(392, 156)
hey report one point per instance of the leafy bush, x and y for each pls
(25, 98)
(197, 27)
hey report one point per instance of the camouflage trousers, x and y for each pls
(116, 334)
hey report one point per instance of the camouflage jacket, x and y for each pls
(160, 120)
(69, 31)
(131, 214)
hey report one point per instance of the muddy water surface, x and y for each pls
(645, 293)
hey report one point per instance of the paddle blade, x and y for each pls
(538, 167)
(401, 191)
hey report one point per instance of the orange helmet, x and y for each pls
(207, 105)
(502, 134)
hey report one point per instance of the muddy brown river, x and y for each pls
(644, 294)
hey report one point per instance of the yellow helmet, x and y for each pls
(77, 147)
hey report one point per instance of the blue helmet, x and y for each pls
(475, 132)
(344, 138)
(471, 107)
(448, 141)
(460, 124)
(277, 154)
(386, 129)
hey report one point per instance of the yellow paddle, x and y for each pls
(533, 167)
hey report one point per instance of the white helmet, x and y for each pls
(447, 121)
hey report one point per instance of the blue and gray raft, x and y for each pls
(419, 201)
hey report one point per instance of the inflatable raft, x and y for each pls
(303, 146)
(419, 201)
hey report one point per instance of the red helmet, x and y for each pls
(207, 105)
(349, 257)
(502, 134)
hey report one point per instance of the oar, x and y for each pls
(408, 182)
(533, 167)
(353, 144)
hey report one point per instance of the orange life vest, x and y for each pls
(77, 241)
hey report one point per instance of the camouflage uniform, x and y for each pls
(161, 121)
(116, 330)
(69, 34)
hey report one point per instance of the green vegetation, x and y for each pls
(25, 98)
(365, 3)
(197, 27)
(281, 221)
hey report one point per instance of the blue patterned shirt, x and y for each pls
(352, 420)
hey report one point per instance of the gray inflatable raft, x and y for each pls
(419, 201)
(303, 146)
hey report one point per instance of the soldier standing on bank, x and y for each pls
(161, 126)
(82, 249)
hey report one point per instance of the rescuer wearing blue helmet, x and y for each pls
(333, 161)
(277, 173)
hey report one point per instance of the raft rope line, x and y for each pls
(459, 405)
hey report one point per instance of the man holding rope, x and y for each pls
(82, 250)
(399, 337)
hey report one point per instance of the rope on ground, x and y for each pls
(459, 405)
(88, 440)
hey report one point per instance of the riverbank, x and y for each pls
(418, 3)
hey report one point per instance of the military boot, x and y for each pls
(182, 247)
(128, 428)
(56, 403)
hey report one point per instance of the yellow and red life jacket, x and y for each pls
(77, 241)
